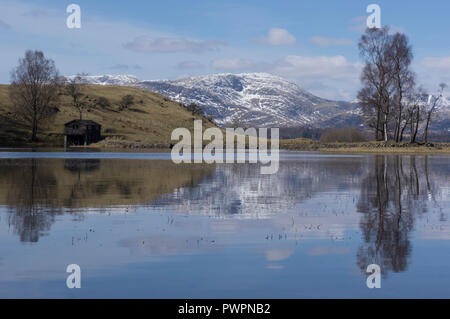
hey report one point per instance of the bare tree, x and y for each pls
(74, 88)
(370, 109)
(34, 89)
(413, 112)
(376, 77)
(431, 106)
(385, 77)
(400, 53)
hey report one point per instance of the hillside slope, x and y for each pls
(151, 119)
(261, 99)
(252, 99)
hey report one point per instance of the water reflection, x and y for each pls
(239, 190)
(77, 165)
(394, 192)
(315, 212)
(26, 196)
(36, 190)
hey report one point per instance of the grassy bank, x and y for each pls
(364, 147)
(149, 121)
(312, 146)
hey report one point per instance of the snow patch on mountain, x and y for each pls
(252, 99)
(258, 99)
(107, 79)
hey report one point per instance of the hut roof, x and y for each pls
(85, 122)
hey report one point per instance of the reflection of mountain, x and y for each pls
(394, 192)
(35, 190)
(241, 191)
(321, 192)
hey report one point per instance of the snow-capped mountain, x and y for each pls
(107, 79)
(257, 99)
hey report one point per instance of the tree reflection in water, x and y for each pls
(393, 193)
(36, 190)
(32, 215)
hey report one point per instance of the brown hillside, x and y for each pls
(151, 119)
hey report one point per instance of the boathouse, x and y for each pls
(81, 132)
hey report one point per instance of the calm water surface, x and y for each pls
(140, 226)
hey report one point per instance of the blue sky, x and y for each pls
(313, 43)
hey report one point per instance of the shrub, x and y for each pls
(126, 101)
(195, 109)
(103, 102)
(344, 134)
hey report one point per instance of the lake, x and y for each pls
(140, 226)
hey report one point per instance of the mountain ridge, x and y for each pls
(257, 99)
(252, 99)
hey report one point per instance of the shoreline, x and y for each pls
(285, 145)
(370, 147)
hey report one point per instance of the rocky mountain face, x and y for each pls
(123, 80)
(254, 99)
(259, 100)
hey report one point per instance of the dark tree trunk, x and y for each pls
(377, 130)
(34, 129)
(417, 125)
(403, 131)
(426, 127)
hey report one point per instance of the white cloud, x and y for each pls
(432, 71)
(436, 62)
(185, 65)
(234, 64)
(89, 49)
(51, 30)
(92, 49)
(335, 67)
(331, 77)
(326, 42)
(277, 36)
(168, 45)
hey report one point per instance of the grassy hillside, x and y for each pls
(150, 120)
